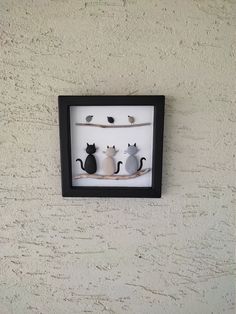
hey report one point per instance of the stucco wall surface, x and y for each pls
(170, 255)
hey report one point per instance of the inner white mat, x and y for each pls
(120, 137)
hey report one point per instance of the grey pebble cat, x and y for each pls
(108, 165)
(132, 165)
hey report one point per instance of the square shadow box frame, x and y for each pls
(130, 124)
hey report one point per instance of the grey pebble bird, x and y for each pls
(131, 119)
(89, 118)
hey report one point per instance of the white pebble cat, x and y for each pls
(108, 165)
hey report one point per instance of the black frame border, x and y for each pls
(64, 103)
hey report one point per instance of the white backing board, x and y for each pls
(120, 137)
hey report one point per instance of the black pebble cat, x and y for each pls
(90, 165)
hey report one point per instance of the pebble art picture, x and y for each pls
(112, 146)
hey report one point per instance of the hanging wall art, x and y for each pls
(111, 146)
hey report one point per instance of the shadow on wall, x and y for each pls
(167, 167)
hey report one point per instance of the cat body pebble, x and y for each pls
(132, 165)
(108, 164)
(90, 164)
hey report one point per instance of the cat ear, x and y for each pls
(94, 144)
(87, 144)
(135, 144)
(128, 144)
(107, 146)
(113, 146)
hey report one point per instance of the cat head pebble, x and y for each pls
(90, 149)
(110, 151)
(132, 149)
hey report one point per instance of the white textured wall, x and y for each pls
(171, 255)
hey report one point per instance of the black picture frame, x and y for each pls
(64, 103)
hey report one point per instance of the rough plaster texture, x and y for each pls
(169, 255)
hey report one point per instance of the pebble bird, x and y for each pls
(89, 118)
(131, 119)
(110, 119)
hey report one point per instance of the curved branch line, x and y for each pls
(112, 177)
(104, 126)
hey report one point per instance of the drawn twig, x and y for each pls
(112, 177)
(113, 126)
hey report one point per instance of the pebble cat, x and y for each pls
(131, 164)
(90, 165)
(108, 165)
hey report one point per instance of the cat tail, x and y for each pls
(81, 163)
(141, 163)
(118, 167)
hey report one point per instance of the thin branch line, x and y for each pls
(113, 126)
(112, 177)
